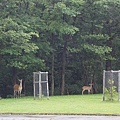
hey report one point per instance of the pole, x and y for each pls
(119, 85)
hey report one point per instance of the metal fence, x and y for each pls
(111, 84)
(40, 84)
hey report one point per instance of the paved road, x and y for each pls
(57, 117)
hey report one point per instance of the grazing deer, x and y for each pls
(88, 88)
(18, 89)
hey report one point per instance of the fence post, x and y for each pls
(119, 85)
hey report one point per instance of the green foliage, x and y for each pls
(101, 50)
(73, 89)
(63, 28)
(34, 34)
(111, 92)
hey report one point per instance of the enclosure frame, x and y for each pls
(39, 82)
(104, 72)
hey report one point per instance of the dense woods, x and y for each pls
(74, 40)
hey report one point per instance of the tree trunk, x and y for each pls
(108, 62)
(63, 68)
(95, 86)
(108, 65)
(52, 69)
(84, 73)
(52, 76)
(14, 75)
(24, 88)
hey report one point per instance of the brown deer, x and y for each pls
(18, 89)
(88, 88)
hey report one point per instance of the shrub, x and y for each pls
(111, 92)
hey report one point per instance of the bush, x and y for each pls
(74, 89)
(111, 92)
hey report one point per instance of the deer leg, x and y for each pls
(83, 91)
(88, 91)
(91, 91)
(20, 93)
(14, 94)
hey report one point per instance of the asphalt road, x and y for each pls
(57, 117)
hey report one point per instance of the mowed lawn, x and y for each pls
(71, 104)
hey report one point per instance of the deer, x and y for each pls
(88, 88)
(17, 89)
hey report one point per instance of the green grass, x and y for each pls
(72, 104)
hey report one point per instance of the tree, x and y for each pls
(17, 41)
(59, 24)
(72, 39)
(111, 27)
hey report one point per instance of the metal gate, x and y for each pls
(40, 84)
(111, 82)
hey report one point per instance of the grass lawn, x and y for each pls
(71, 104)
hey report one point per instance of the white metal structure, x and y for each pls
(111, 75)
(40, 84)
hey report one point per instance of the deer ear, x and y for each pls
(19, 79)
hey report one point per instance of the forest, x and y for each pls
(73, 40)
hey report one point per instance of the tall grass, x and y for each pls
(72, 104)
